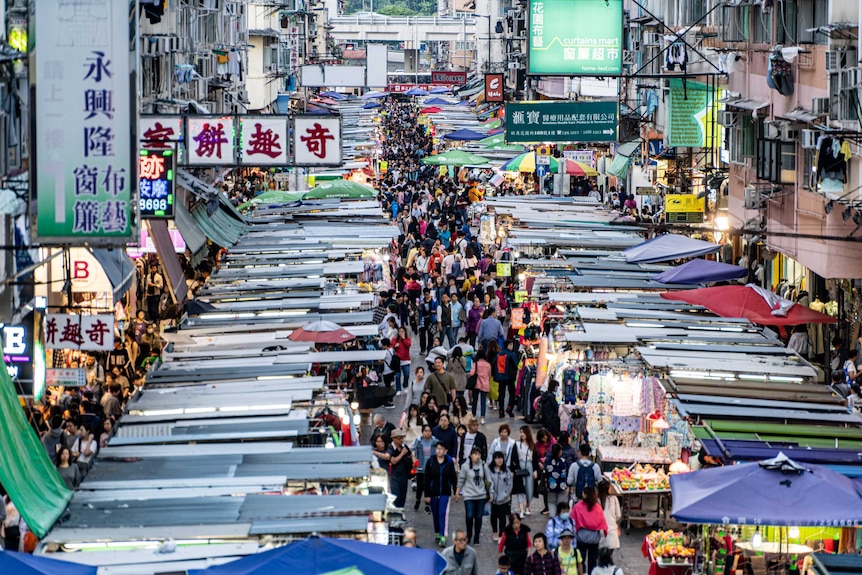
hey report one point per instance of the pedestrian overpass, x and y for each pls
(417, 29)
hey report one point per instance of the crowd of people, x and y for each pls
(452, 355)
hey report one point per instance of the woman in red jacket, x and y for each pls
(590, 526)
(401, 348)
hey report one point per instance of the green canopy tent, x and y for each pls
(272, 198)
(491, 140)
(340, 189)
(504, 147)
(456, 158)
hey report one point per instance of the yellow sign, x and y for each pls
(543, 150)
(504, 269)
(683, 203)
(520, 296)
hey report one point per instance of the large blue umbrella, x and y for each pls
(463, 103)
(464, 135)
(416, 92)
(668, 247)
(333, 95)
(319, 555)
(12, 563)
(776, 492)
(697, 271)
(371, 105)
(372, 95)
(439, 90)
(438, 102)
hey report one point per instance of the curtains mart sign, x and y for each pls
(575, 38)
(530, 122)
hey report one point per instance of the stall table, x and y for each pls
(657, 514)
(618, 454)
(658, 567)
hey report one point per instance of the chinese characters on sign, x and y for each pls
(83, 174)
(317, 141)
(211, 141)
(561, 122)
(263, 141)
(156, 183)
(575, 37)
(86, 332)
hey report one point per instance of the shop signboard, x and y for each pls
(493, 87)
(504, 269)
(691, 112)
(85, 149)
(317, 141)
(18, 352)
(446, 78)
(518, 318)
(156, 169)
(647, 191)
(531, 122)
(575, 38)
(84, 332)
(401, 88)
(263, 140)
(160, 131)
(521, 296)
(587, 157)
(210, 140)
(72, 377)
(683, 208)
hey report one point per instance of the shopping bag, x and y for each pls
(494, 392)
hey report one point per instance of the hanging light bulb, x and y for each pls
(357, 419)
(793, 533)
(330, 444)
(756, 539)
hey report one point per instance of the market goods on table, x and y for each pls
(640, 478)
(668, 547)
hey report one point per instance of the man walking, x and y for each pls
(440, 483)
(427, 321)
(461, 559)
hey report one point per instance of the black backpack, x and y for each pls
(395, 362)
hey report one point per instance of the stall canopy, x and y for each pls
(465, 135)
(778, 491)
(168, 258)
(698, 271)
(26, 473)
(119, 268)
(195, 238)
(319, 555)
(439, 102)
(751, 302)
(221, 228)
(668, 247)
(24, 564)
(620, 164)
(455, 158)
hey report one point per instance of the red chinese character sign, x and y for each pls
(157, 132)
(86, 332)
(263, 140)
(317, 141)
(211, 141)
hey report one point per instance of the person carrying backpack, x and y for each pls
(505, 372)
(584, 472)
(556, 471)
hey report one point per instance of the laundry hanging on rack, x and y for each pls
(779, 73)
(184, 73)
(676, 54)
(831, 162)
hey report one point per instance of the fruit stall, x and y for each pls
(668, 553)
(644, 492)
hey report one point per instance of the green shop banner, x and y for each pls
(575, 38)
(691, 112)
(529, 122)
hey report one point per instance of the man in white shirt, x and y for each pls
(448, 262)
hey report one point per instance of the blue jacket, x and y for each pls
(440, 478)
(555, 526)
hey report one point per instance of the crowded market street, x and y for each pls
(553, 287)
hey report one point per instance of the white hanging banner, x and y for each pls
(85, 332)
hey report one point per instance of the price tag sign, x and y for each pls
(520, 296)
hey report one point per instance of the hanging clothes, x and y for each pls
(831, 161)
(676, 54)
(779, 74)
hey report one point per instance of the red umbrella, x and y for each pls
(430, 110)
(750, 303)
(321, 332)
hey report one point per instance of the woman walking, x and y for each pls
(590, 527)
(441, 481)
(613, 515)
(502, 481)
(516, 543)
(401, 347)
(482, 370)
(474, 485)
(525, 478)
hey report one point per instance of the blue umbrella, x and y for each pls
(373, 95)
(438, 102)
(371, 105)
(12, 563)
(318, 555)
(668, 247)
(464, 135)
(698, 270)
(333, 95)
(464, 103)
(416, 92)
(439, 90)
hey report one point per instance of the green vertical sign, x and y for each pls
(691, 115)
(575, 38)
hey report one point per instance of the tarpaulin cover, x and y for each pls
(28, 476)
(119, 268)
(319, 555)
(464, 134)
(743, 301)
(773, 492)
(439, 102)
(668, 247)
(697, 271)
(23, 564)
(620, 164)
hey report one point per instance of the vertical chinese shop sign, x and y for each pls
(84, 172)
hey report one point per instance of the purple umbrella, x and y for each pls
(438, 102)
(439, 90)
(776, 492)
(699, 271)
(416, 92)
(464, 135)
(373, 95)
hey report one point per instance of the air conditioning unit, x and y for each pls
(231, 9)
(820, 106)
(651, 38)
(771, 130)
(753, 199)
(836, 60)
(727, 118)
(850, 78)
(789, 133)
(809, 139)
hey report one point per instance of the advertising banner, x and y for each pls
(263, 140)
(575, 38)
(317, 141)
(85, 332)
(211, 140)
(442, 77)
(690, 115)
(493, 87)
(587, 157)
(683, 208)
(528, 122)
(84, 175)
(156, 183)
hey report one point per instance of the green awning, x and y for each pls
(221, 228)
(620, 165)
(196, 240)
(26, 473)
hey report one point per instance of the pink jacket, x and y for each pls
(482, 369)
(586, 519)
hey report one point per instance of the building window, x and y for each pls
(736, 20)
(761, 23)
(740, 138)
(776, 161)
(465, 46)
(787, 15)
(812, 14)
(809, 171)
